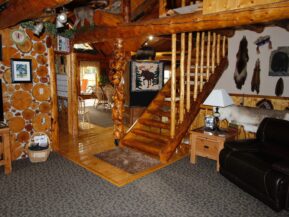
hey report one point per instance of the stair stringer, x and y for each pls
(167, 151)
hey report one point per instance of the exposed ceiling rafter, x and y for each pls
(190, 22)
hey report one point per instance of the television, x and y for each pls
(1, 104)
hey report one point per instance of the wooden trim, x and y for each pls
(54, 103)
(182, 76)
(173, 86)
(259, 96)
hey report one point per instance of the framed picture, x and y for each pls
(146, 76)
(21, 70)
(279, 62)
(210, 122)
(62, 44)
(0, 48)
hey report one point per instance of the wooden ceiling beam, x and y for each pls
(190, 22)
(18, 11)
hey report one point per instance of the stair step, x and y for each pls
(159, 112)
(168, 99)
(154, 123)
(148, 147)
(151, 135)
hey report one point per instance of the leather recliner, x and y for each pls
(260, 166)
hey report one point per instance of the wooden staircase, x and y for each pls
(165, 122)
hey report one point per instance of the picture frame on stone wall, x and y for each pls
(21, 70)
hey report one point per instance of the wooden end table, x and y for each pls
(209, 143)
(4, 133)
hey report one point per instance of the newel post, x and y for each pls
(116, 71)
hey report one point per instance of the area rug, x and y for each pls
(100, 116)
(128, 159)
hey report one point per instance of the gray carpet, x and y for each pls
(100, 116)
(60, 188)
(127, 159)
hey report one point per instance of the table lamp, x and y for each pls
(218, 98)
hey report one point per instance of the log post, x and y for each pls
(54, 106)
(173, 86)
(72, 95)
(197, 66)
(189, 61)
(224, 46)
(202, 61)
(214, 53)
(182, 77)
(208, 55)
(218, 48)
(126, 10)
(162, 8)
(117, 69)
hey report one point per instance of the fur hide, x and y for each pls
(250, 117)
(255, 83)
(241, 65)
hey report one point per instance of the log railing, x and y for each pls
(207, 49)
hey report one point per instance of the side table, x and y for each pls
(6, 161)
(209, 143)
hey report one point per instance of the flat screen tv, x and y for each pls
(1, 103)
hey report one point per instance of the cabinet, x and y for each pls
(209, 144)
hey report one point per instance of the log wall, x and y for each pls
(27, 106)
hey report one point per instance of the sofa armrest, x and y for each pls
(282, 167)
(248, 145)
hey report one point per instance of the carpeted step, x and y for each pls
(148, 147)
(154, 123)
(151, 135)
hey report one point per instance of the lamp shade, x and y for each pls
(219, 98)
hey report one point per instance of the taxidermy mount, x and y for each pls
(241, 65)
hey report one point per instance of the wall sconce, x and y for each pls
(61, 20)
(38, 29)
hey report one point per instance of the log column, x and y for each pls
(117, 68)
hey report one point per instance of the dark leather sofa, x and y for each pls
(261, 166)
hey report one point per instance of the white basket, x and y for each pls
(41, 155)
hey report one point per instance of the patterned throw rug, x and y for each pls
(128, 159)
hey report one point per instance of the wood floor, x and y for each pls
(94, 139)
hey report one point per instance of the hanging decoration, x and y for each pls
(279, 87)
(49, 28)
(265, 104)
(255, 83)
(262, 40)
(241, 65)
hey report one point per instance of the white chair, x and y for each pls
(109, 92)
(100, 97)
(83, 114)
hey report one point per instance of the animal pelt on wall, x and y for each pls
(279, 87)
(255, 83)
(241, 65)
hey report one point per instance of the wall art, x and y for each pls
(279, 62)
(21, 70)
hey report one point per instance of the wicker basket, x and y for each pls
(41, 155)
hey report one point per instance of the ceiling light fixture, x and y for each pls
(61, 20)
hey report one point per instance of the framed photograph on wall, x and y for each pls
(21, 70)
(62, 44)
